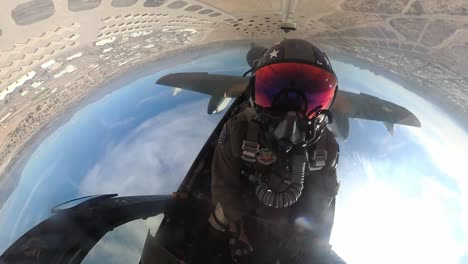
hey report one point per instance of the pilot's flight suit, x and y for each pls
(233, 199)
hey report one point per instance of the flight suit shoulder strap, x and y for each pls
(250, 146)
(319, 154)
(333, 149)
(325, 152)
(236, 128)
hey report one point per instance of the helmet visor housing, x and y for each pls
(291, 86)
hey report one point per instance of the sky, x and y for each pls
(402, 198)
(138, 140)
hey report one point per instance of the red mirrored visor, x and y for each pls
(316, 85)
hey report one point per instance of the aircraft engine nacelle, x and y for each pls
(340, 125)
(218, 102)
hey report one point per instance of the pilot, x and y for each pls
(273, 172)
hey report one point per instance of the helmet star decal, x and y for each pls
(274, 53)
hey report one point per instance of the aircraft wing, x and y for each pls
(206, 83)
(221, 88)
(347, 105)
(363, 106)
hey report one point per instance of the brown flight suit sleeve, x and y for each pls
(317, 202)
(226, 171)
(321, 188)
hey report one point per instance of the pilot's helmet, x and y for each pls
(294, 75)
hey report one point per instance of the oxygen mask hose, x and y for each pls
(283, 199)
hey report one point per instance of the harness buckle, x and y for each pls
(320, 158)
(250, 150)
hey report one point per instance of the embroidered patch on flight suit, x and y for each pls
(266, 157)
(222, 136)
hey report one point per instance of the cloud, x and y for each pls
(147, 100)
(393, 213)
(407, 210)
(125, 243)
(410, 210)
(22, 206)
(153, 158)
(445, 142)
(120, 123)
